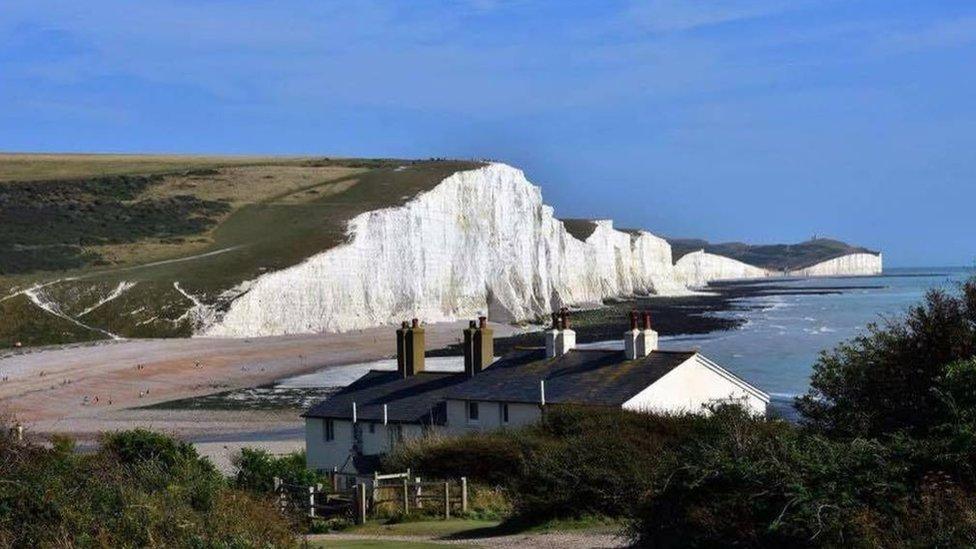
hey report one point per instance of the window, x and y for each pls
(473, 412)
(504, 411)
(372, 428)
(328, 430)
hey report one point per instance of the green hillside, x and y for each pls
(118, 244)
(780, 257)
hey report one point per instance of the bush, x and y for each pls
(256, 470)
(886, 380)
(140, 489)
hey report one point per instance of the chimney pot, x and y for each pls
(471, 324)
(647, 320)
(482, 321)
(555, 321)
(414, 323)
(633, 320)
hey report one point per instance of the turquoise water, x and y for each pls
(777, 347)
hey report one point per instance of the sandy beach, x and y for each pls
(83, 390)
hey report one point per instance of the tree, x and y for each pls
(888, 380)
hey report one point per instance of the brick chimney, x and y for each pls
(568, 340)
(630, 337)
(647, 339)
(484, 346)
(560, 339)
(401, 346)
(553, 334)
(413, 349)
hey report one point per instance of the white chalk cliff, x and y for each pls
(480, 241)
(851, 264)
(697, 269)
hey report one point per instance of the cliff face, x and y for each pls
(480, 241)
(848, 265)
(697, 269)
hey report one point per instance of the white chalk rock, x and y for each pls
(480, 241)
(697, 269)
(860, 264)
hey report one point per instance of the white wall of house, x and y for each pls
(692, 386)
(324, 454)
(490, 415)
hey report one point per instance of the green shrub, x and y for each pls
(886, 380)
(257, 469)
(140, 489)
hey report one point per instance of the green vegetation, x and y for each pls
(257, 469)
(885, 456)
(81, 225)
(48, 225)
(139, 489)
(779, 257)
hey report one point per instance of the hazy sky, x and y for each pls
(745, 120)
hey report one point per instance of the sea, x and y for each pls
(783, 335)
(774, 348)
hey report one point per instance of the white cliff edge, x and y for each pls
(697, 269)
(480, 241)
(860, 264)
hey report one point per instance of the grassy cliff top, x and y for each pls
(129, 244)
(770, 256)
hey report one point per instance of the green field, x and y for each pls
(84, 224)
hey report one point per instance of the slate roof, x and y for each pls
(415, 399)
(581, 376)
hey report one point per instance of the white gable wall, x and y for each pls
(692, 386)
(323, 454)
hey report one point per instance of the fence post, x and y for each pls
(376, 486)
(418, 503)
(361, 503)
(447, 500)
(464, 494)
(311, 502)
(279, 493)
(406, 496)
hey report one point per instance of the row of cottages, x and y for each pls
(352, 429)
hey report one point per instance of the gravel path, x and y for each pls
(548, 540)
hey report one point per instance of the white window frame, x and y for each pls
(468, 407)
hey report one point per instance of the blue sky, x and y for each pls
(745, 120)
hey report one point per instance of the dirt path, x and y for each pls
(83, 390)
(548, 540)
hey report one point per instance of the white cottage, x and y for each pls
(351, 429)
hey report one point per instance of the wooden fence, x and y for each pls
(376, 495)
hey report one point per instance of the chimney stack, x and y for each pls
(410, 348)
(647, 338)
(468, 348)
(560, 339)
(630, 337)
(568, 339)
(401, 345)
(484, 345)
(479, 346)
(553, 334)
